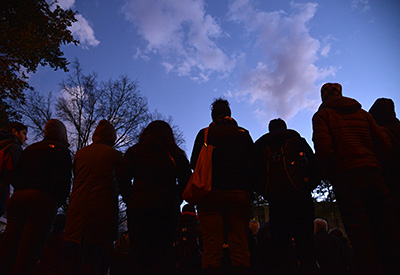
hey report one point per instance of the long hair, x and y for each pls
(162, 132)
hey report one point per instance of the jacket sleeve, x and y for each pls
(314, 170)
(323, 143)
(380, 139)
(184, 173)
(125, 175)
(62, 176)
(198, 143)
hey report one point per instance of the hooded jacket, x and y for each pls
(7, 138)
(346, 137)
(93, 209)
(46, 165)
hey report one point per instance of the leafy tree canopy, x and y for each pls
(31, 34)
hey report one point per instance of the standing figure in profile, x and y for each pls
(155, 164)
(347, 140)
(12, 137)
(42, 185)
(384, 114)
(226, 209)
(92, 218)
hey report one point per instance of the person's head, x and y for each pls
(188, 208)
(105, 133)
(383, 111)
(276, 124)
(220, 108)
(159, 129)
(330, 91)
(55, 130)
(254, 226)
(320, 225)
(19, 130)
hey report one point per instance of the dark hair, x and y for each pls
(18, 126)
(220, 108)
(277, 124)
(160, 129)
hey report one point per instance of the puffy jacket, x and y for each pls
(346, 137)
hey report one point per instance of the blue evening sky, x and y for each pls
(268, 58)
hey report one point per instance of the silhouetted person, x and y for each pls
(92, 217)
(384, 114)
(12, 137)
(227, 206)
(346, 140)
(41, 187)
(153, 201)
(327, 250)
(346, 252)
(54, 254)
(187, 247)
(287, 172)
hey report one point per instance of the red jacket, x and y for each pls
(346, 137)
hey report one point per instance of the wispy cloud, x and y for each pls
(282, 81)
(80, 29)
(182, 33)
(361, 4)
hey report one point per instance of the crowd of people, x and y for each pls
(355, 150)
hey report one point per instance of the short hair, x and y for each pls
(320, 225)
(18, 126)
(220, 108)
(276, 124)
(331, 88)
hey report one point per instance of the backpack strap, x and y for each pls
(205, 136)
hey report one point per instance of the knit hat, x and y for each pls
(55, 130)
(331, 88)
(105, 133)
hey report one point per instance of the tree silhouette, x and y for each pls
(31, 34)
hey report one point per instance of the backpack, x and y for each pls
(5, 159)
(186, 248)
(287, 169)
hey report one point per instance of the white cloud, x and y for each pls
(325, 50)
(84, 32)
(282, 83)
(80, 29)
(65, 4)
(182, 33)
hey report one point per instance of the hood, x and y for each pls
(383, 111)
(342, 104)
(55, 130)
(105, 133)
(7, 135)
